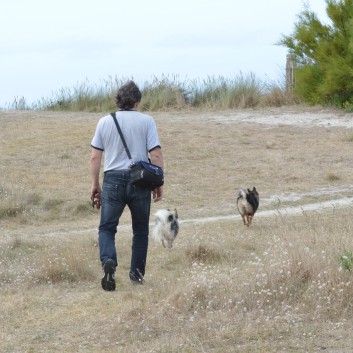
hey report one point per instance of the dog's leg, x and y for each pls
(248, 219)
(163, 243)
(243, 217)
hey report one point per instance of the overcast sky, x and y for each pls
(49, 45)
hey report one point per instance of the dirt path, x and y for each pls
(280, 211)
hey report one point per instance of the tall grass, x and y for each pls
(224, 93)
(168, 92)
(219, 288)
(165, 93)
(84, 97)
(32, 261)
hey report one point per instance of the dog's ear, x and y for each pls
(158, 220)
(176, 213)
(254, 189)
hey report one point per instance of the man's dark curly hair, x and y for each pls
(127, 96)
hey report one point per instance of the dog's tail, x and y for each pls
(242, 194)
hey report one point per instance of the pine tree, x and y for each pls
(324, 52)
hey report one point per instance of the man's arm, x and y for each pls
(95, 165)
(156, 157)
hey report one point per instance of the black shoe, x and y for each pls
(136, 279)
(108, 280)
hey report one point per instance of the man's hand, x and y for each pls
(157, 159)
(96, 199)
(157, 194)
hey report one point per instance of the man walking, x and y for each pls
(141, 136)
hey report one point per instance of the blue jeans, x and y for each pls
(117, 192)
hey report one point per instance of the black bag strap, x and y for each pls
(121, 136)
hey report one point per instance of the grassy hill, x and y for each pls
(282, 285)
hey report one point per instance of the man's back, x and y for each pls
(140, 133)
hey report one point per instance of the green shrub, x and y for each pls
(346, 261)
(323, 52)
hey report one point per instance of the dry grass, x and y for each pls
(278, 286)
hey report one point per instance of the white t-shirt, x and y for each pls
(140, 133)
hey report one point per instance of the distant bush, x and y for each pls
(276, 95)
